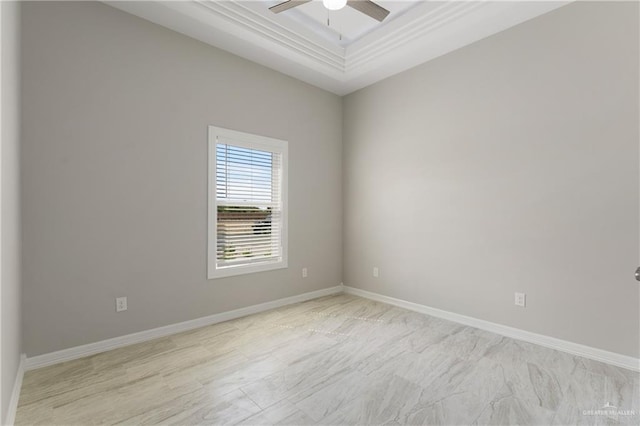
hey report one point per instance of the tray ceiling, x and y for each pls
(353, 51)
(344, 26)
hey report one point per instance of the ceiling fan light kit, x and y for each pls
(334, 4)
(367, 7)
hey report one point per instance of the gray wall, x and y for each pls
(508, 165)
(115, 115)
(10, 342)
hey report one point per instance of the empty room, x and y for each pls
(331, 212)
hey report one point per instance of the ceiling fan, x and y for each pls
(365, 6)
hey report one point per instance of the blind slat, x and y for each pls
(249, 213)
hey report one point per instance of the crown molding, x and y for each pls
(250, 30)
(400, 32)
(273, 32)
(237, 27)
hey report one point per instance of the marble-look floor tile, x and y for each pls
(188, 338)
(334, 395)
(40, 414)
(338, 359)
(534, 384)
(383, 399)
(594, 399)
(227, 409)
(412, 320)
(607, 370)
(173, 409)
(457, 394)
(244, 374)
(124, 402)
(79, 384)
(47, 382)
(375, 357)
(559, 365)
(468, 343)
(171, 361)
(131, 354)
(214, 367)
(423, 338)
(281, 413)
(300, 378)
(439, 373)
(509, 410)
(307, 344)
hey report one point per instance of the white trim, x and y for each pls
(601, 355)
(249, 141)
(64, 355)
(308, 46)
(2, 414)
(143, 336)
(402, 32)
(315, 54)
(15, 393)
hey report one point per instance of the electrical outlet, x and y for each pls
(305, 273)
(521, 299)
(376, 272)
(121, 304)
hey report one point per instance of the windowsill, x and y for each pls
(231, 271)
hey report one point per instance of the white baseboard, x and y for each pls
(117, 342)
(15, 393)
(142, 336)
(601, 355)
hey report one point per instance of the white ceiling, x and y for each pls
(343, 26)
(355, 50)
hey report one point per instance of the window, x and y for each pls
(247, 203)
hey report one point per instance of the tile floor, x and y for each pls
(339, 360)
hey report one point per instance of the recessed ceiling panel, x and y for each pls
(353, 50)
(347, 24)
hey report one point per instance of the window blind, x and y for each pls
(249, 205)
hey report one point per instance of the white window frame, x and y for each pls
(250, 141)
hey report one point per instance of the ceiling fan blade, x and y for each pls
(369, 8)
(286, 5)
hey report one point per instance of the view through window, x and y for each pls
(249, 216)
